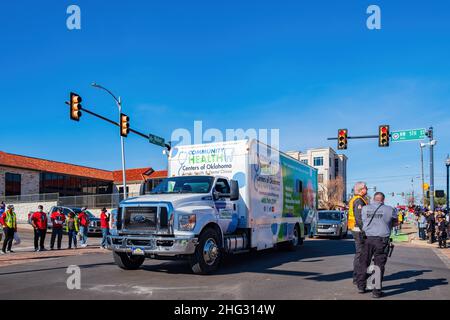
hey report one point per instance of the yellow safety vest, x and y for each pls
(351, 214)
(10, 219)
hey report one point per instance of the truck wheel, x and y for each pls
(127, 262)
(297, 239)
(208, 254)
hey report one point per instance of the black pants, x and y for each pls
(56, 232)
(39, 237)
(373, 248)
(358, 248)
(9, 237)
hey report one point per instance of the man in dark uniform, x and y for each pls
(378, 220)
(354, 221)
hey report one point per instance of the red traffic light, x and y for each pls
(383, 136)
(342, 139)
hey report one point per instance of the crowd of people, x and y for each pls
(372, 224)
(75, 226)
(433, 226)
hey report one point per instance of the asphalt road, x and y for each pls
(320, 269)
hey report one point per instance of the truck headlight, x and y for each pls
(186, 222)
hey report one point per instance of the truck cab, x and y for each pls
(183, 217)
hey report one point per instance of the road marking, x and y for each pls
(442, 256)
(141, 290)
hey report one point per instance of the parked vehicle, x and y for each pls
(94, 225)
(331, 223)
(228, 197)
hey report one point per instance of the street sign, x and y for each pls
(408, 135)
(156, 140)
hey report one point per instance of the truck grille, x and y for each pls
(140, 218)
(324, 226)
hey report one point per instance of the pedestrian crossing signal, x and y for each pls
(75, 106)
(383, 136)
(124, 125)
(342, 139)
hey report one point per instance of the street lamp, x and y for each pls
(432, 143)
(447, 164)
(422, 145)
(119, 106)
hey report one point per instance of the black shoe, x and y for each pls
(361, 290)
(377, 294)
(42, 249)
(10, 251)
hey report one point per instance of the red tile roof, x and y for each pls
(140, 174)
(23, 162)
(36, 164)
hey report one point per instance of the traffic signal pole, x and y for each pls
(430, 136)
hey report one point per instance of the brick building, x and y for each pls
(22, 175)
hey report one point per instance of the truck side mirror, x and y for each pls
(234, 194)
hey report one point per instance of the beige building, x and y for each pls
(330, 166)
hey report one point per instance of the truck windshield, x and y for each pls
(191, 184)
(329, 215)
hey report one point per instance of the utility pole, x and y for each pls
(432, 143)
(423, 176)
(447, 164)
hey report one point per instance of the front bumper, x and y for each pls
(151, 246)
(327, 232)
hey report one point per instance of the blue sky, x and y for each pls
(304, 67)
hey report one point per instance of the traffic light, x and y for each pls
(342, 139)
(124, 125)
(75, 106)
(383, 136)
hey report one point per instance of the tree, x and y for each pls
(331, 195)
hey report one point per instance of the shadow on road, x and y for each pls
(416, 285)
(86, 266)
(267, 261)
(406, 274)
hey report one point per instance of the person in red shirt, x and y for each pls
(83, 218)
(39, 223)
(58, 219)
(104, 224)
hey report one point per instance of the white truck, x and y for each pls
(219, 198)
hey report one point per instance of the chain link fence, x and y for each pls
(29, 198)
(94, 201)
(90, 201)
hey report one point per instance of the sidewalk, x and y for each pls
(409, 236)
(24, 252)
(27, 257)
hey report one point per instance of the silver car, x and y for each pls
(94, 224)
(331, 223)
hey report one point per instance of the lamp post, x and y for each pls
(447, 164)
(122, 146)
(422, 145)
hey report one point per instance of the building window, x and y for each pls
(320, 178)
(13, 184)
(318, 161)
(305, 161)
(66, 185)
(121, 190)
(336, 168)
